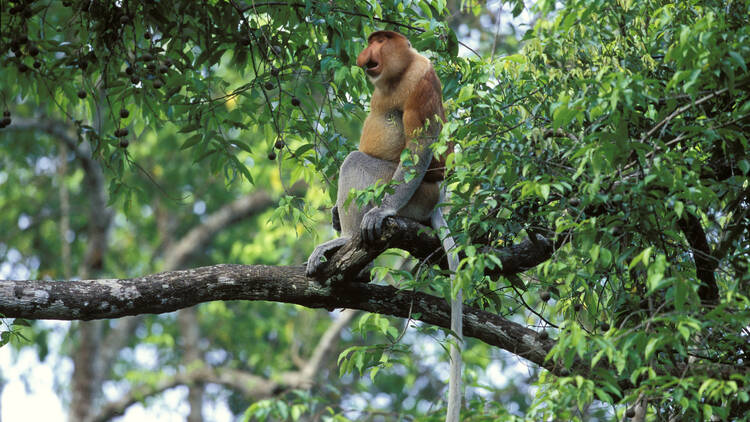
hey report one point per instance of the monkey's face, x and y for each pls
(386, 55)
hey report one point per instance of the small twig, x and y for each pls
(679, 111)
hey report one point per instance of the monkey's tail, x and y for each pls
(454, 383)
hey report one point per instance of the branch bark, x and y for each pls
(170, 291)
(167, 292)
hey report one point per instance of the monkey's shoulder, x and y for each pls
(419, 68)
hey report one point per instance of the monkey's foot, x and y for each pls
(372, 223)
(322, 253)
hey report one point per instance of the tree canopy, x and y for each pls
(599, 201)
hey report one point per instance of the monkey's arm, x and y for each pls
(372, 222)
(422, 118)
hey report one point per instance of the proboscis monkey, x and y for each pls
(406, 113)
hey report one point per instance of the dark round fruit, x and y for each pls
(15, 47)
(128, 70)
(124, 143)
(276, 49)
(271, 155)
(37, 64)
(604, 326)
(6, 113)
(147, 57)
(151, 66)
(168, 62)
(275, 71)
(158, 84)
(23, 68)
(577, 307)
(544, 295)
(269, 86)
(15, 9)
(295, 101)
(630, 413)
(279, 144)
(124, 113)
(121, 132)
(5, 121)
(81, 94)
(83, 64)
(66, 3)
(147, 35)
(33, 51)
(135, 80)
(27, 12)
(163, 69)
(124, 19)
(543, 335)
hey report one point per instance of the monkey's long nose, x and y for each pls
(364, 59)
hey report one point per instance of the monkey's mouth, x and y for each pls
(372, 68)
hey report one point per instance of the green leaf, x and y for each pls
(641, 257)
(739, 60)
(466, 93)
(190, 128)
(651, 347)
(544, 191)
(20, 322)
(192, 141)
(678, 208)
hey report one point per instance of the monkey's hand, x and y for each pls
(372, 223)
(321, 254)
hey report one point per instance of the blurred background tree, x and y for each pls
(147, 136)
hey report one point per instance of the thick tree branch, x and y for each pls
(166, 292)
(170, 291)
